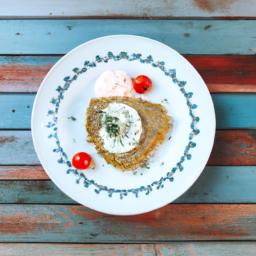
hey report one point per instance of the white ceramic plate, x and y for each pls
(65, 93)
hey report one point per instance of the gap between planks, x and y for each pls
(222, 73)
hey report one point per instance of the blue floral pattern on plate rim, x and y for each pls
(81, 177)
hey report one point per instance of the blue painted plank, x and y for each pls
(128, 8)
(223, 184)
(16, 148)
(218, 184)
(29, 60)
(235, 110)
(186, 36)
(16, 110)
(232, 110)
(220, 248)
(67, 249)
(175, 222)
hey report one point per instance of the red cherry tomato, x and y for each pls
(141, 83)
(81, 160)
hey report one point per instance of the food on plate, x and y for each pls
(114, 83)
(82, 161)
(126, 130)
(141, 83)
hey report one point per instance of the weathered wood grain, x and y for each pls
(16, 148)
(221, 73)
(23, 73)
(232, 110)
(59, 223)
(165, 249)
(206, 249)
(16, 111)
(129, 8)
(17, 249)
(232, 147)
(226, 73)
(218, 184)
(25, 172)
(186, 36)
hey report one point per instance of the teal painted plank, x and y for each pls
(216, 185)
(223, 184)
(235, 111)
(174, 222)
(186, 36)
(138, 8)
(166, 249)
(16, 147)
(16, 110)
(31, 249)
(232, 110)
(29, 60)
(206, 249)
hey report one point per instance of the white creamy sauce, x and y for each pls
(121, 128)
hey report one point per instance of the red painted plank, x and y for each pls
(222, 73)
(234, 70)
(65, 223)
(22, 173)
(234, 147)
(22, 78)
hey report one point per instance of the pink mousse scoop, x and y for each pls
(114, 83)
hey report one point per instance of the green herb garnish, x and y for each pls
(145, 165)
(112, 126)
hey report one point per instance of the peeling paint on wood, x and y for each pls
(43, 36)
(78, 249)
(221, 73)
(232, 110)
(206, 249)
(17, 151)
(232, 147)
(164, 249)
(140, 8)
(43, 223)
(218, 184)
(25, 172)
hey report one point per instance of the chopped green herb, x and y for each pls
(121, 142)
(72, 118)
(170, 138)
(74, 140)
(162, 163)
(112, 127)
(145, 165)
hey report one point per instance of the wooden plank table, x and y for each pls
(217, 216)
